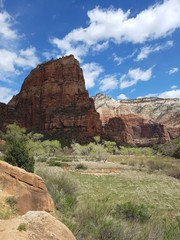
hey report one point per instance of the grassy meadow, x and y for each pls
(128, 197)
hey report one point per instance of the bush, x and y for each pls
(11, 201)
(18, 155)
(173, 171)
(171, 149)
(58, 164)
(62, 188)
(131, 211)
(110, 229)
(81, 166)
(22, 227)
(155, 165)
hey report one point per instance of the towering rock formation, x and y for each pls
(53, 99)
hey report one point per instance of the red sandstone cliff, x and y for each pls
(53, 98)
(142, 122)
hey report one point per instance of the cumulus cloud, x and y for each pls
(133, 76)
(122, 96)
(166, 94)
(6, 94)
(91, 72)
(6, 30)
(117, 26)
(173, 70)
(170, 94)
(109, 82)
(9, 60)
(145, 51)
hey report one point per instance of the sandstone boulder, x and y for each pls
(29, 189)
(37, 225)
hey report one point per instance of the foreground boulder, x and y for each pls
(54, 98)
(29, 189)
(34, 225)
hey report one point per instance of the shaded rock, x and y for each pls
(135, 130)
(29, 189)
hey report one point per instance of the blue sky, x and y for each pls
(127, 48)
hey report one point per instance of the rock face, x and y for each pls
(53, 98)
(142, 122)
(39, 225)
(135, 130)
(29, 189)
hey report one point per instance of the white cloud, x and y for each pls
(145, 51)
(120, 60)
(170, 94)
(122, 96)
(6, 31)
(100, 47)
(174, 87)
(109, 82)
(10, 61)
(91, 72)
(117, 26)
(6, 94)
(133, 76)
(166, 94)
(173, 70)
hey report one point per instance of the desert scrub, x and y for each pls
(63, 187)
(81, 166)
(5, 213)
(22, 227)
(11, 201)
(131, 211)
(110, 229)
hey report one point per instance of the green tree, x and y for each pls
(51, 146)
(18, 155)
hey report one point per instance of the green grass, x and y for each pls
(148, 201)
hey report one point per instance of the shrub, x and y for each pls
(12, 201)
(62, 187)
(22, 227)
(81, 166)
(110, 229)
(155, 165)
(173, 171)
(131, 211)
(18, 155)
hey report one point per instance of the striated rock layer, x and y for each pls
(53, 98)
(29, 189)
(142, 122)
